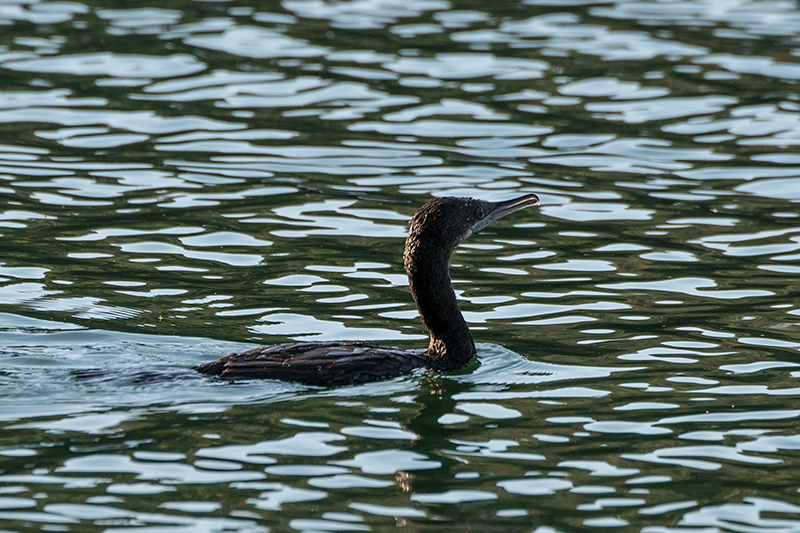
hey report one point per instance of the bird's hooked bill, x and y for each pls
(509, 206)
(502, 209)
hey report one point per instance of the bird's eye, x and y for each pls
(480, 212)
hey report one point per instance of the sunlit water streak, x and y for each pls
(182, 180)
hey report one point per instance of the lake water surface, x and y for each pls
(180, 180)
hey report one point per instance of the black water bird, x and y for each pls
(436, 229)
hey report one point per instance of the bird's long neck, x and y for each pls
(427, 265)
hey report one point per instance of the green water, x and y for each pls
(181, 180)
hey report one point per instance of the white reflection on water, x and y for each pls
(688, 286)
(564, 31)
(118, 65)
(389, 462)
(251, 41)
(361, 14)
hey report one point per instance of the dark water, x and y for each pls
(179, 180)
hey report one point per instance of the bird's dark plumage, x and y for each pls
(435, 231)
(318, 363)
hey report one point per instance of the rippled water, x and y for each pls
(179, 180)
